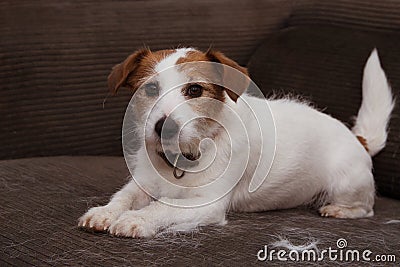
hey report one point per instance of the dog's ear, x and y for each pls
(120, 73)
(235, 83)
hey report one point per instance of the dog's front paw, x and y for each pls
(99, 218)
(132, 224)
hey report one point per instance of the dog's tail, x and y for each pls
(377, 104)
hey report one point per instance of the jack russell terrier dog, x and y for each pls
(306, 156)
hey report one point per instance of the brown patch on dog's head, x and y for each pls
(139, 65)
(211, 80)
(363, 141)
(131, 72)
(192, 56)
(234, 83)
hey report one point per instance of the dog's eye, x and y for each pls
(151, 89)
(194, 90)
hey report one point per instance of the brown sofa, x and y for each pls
(60, 131)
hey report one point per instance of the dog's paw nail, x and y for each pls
(99, 218)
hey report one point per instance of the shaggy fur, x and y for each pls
(315, 154)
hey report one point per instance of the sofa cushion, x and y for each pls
(42, 198)
(325, 64)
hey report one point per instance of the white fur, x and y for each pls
(376, 107)
(315, 154)
(171, 81)
(170, 60)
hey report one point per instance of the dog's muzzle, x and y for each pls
(166, 128)
(179, 162)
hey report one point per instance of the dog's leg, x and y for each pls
(158, 215)
(353, 192)
(351, 197)
(100, 218)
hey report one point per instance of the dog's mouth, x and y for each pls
(179, 161)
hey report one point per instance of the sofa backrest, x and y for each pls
(56, 55)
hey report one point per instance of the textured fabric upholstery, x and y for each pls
(42, 198)
(56, 57)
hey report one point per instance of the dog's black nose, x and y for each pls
(166, 127)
